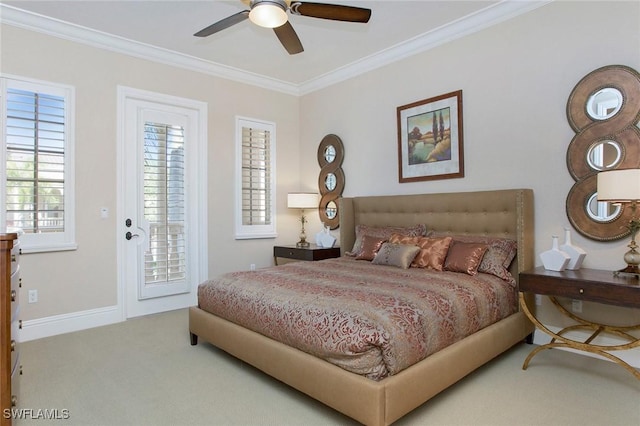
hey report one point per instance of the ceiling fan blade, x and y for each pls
(334, 12)
(223, 24)
(289, 39)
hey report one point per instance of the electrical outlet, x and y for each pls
(538, 299)
(576, 306)
(252, 267)
(33, 296)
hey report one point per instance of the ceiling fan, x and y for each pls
(273, 14)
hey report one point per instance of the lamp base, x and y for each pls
(303, 244)
(632, 259)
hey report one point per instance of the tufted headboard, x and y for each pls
(502, 213)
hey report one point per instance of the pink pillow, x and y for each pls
(370, 247)
(465, 257)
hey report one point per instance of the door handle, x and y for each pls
(129, 235)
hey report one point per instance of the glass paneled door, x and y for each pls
(160, 242)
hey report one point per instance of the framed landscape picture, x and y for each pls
(430, 139)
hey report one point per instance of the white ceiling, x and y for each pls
(163, 30)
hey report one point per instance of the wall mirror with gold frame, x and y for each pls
(331, 179)
(604, 111)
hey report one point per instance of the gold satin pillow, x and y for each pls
(370, 246)
(433, 252)
(465, 257)
(404, 239)
(399, 255)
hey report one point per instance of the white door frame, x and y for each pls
(196, 160)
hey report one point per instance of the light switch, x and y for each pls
(104, 212)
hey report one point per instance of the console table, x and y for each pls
(588, 285)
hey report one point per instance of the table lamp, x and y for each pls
(302, 200)
(622, 186)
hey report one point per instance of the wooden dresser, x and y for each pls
(10, 369)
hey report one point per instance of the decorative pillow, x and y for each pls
(370, 246)
(433, 252)
(498, 257)
(464, 257)
(399, 255)
(403, 239)
(384, 232)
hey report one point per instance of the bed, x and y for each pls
(502, 213)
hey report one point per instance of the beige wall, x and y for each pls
(85, 279)
(516, 78)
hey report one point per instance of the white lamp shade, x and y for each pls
(269, 14)
(619, 185)
(302, 200)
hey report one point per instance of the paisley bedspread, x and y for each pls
(372, 320)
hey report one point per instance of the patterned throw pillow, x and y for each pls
(399, 255)
(498, 257)
(370, 246)
(433, 252)
(464, 257)
(403, 239)
(384, 232)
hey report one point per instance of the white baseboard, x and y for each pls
(630, 356)
(66, 323)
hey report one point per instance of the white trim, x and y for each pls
(199, 213)
(492, 15)
(245, 232)
(67, 323)
(630, 356)
(56, 241)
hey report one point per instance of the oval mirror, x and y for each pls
(330, 154)
(331, 210)
(604, 155)
(330, 181)
(604, 104)
(602, 211)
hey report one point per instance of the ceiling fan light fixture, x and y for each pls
(268, 13)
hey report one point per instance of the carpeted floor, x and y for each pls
(145, 372)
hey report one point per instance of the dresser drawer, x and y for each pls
(13, 344)
(14, 295)
(15, 257)
(15, 382)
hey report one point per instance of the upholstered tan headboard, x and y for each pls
(504, 213)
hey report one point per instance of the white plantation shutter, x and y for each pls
(35, 161)
(256, 175)
(38, 163)
(164, 203)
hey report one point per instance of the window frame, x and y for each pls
(54, 241)
(243, 231)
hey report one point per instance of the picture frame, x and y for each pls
(430, 139)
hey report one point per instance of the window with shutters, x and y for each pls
(255, 152)
(164, 203)
(37, 163)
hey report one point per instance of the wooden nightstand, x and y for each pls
(313, 252)
(589, 285)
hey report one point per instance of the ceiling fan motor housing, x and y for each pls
(269, 13)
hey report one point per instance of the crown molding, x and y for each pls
(470, 24)
(462, 27)
(43, 24)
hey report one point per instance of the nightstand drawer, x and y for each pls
(583, 284)
(292, 253)
(310, 253)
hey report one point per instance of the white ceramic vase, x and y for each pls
(576, 253)
(554, 259)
